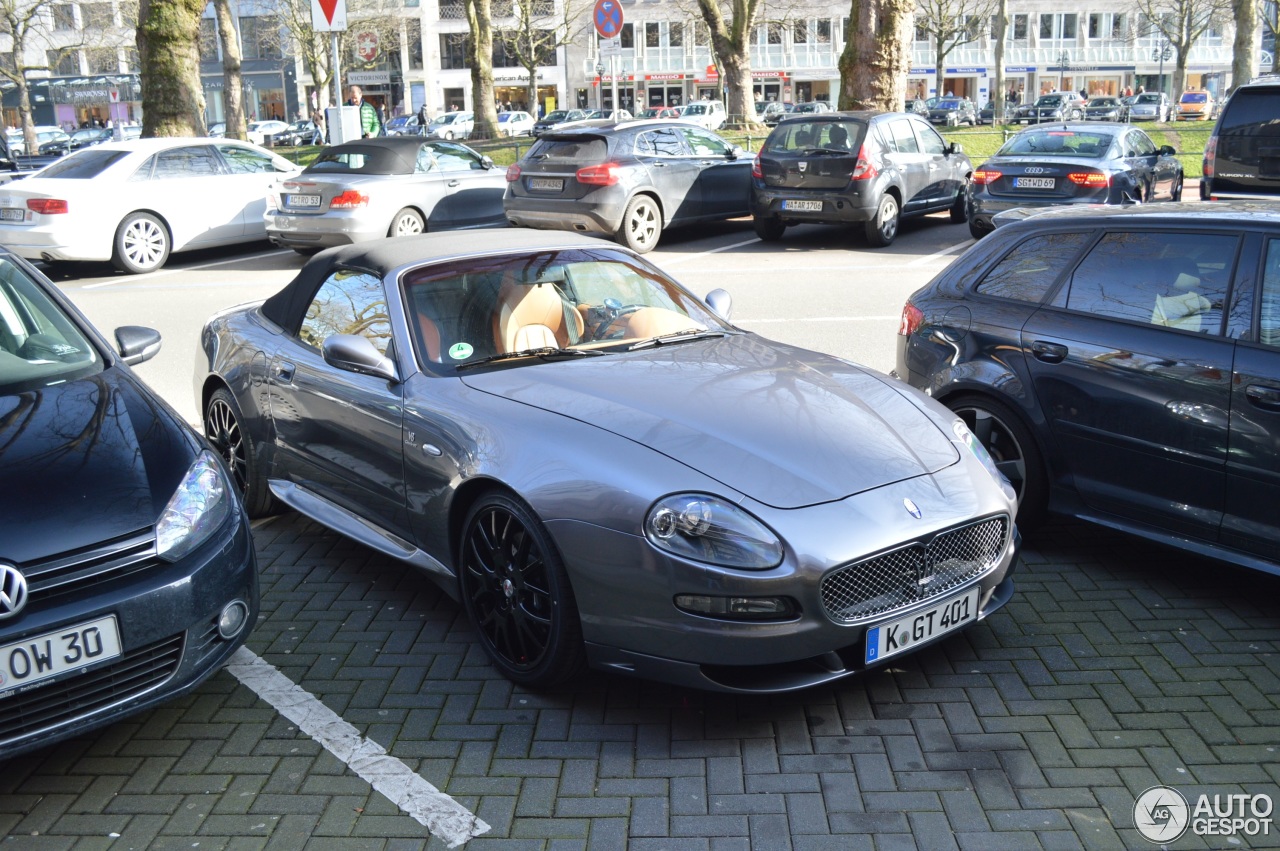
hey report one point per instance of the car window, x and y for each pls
(349, 302)
(246, 160)
(83, 165)
(1175, 280)
(566, 151)
(904, 138)
(928, 138)
(450, 157)
(1139, 144)
(1028, 271)
(39, 344)
(1269, 315)
(659, 143)
(195, 161)
(703, 143)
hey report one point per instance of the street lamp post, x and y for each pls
(1064, 60)
(599, 85)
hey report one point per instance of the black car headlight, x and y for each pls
(197, 508)
(708, 529)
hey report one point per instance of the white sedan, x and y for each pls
(134, 202)
(258, 131)
(515, 123)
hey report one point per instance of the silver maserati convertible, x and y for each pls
(602, 469)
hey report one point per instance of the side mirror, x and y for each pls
(955, 148)
(1167, 151)
(487, 162)
(734, 153)
(720, 302)
(137, 344)
(354, 353)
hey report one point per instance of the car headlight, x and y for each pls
(707, 529)
(197, 508)
(969, 440)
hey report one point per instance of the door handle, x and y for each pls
(1049, 352)
(657, 165)
(453, 183)
(1261, 396)
(284, 372)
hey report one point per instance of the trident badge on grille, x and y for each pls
(912, 508)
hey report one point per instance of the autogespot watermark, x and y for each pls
(1162, 814)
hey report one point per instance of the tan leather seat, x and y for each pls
(430, 337)
(531, 317)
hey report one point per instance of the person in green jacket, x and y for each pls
(370, 120)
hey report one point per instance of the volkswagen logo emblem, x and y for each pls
(13, 591)
(912, 508)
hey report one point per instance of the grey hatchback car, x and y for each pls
(869, 168)
(629, 180)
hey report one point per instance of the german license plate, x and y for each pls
(905, 633)
(1033, 183)
(803, 206)
(43, 656)
(12, 214)
(546, 184)
(302, 200)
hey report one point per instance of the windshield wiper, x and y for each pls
(544, 352)
(677, 337)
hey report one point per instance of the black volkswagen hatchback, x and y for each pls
(1122, 365)
(127, 574)
(866, 168)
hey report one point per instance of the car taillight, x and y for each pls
(1090, 179)
(1210, 155)
(983, 176)
(513, 173)
(756, 170)
(605, 174)
(912, 319)
(349, 199)
(866, 167)
(48, 206)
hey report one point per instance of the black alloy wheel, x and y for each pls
(1013, 448)
(517, 594)
(223, 429)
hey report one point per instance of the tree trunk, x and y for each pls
(877, 55)
(739, 102)
(169, 55)
(1245, 13)
(480, 58)
(730, 44)
(231, 90)
(997, 93)
(940, 60)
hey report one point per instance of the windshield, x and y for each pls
(1195, 97)
(1053, 100)
(589, 299)
(948, 104)
(1058, 143)
(1104, 102)
(39, 344)
(1148, 98)
(557, 115)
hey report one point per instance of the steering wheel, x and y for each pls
(618, 312)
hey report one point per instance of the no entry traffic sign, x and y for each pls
(608, 18)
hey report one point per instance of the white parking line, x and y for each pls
(160, 274)
(920, 261)
(676, 260)
(439, 813)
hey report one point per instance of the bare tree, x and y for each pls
(1182, 23)
(231, 94)
(877, 55)
(999, 29)
(480, 61)
(36, 28)
(540, 30)
(169, 52)
(1245, 15)
(730, 24)
(948, 24)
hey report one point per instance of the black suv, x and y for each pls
(1121, 365)
(1242, 157)
(869, 168)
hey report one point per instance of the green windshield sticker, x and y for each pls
(460, 351)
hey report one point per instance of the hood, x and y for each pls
(784, 426)
(84, 462)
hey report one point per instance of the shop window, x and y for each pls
(259, 39)
(64, 16)
(97, 16)
(415, 45)
(453, 50)
(64, 63)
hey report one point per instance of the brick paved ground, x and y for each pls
(1117, 666)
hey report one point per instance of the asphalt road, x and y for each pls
(362, 715)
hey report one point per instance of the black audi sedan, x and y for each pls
(1052, 165)
(629, 180)
(866, 168)
(127, 574)
(1121, 365)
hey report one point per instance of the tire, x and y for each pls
(977, 232)
(883, 227)
(1012, 446)
(224, 429)
(307, 252)
(960, 208)
(769, 229)
(448, 135)
(407, 222)
(142, 244)
(517, 595)
(641, 224)
(1176, 195)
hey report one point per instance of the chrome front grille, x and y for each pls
(50, 706)
(83, 568)
(914, 572)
